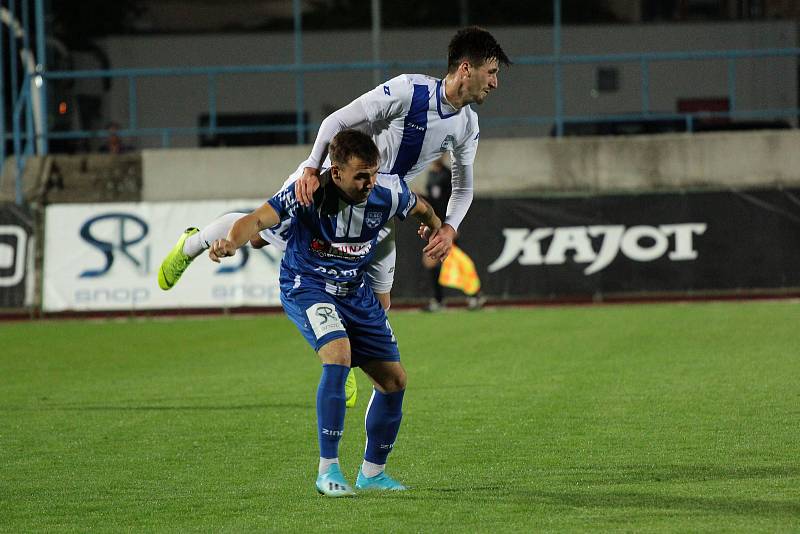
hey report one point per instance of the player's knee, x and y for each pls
(337, 359)
(336, 352)
(396, 382)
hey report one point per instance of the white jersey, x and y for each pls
(410, 121)
(413, 125)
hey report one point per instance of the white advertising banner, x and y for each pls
(107, 257)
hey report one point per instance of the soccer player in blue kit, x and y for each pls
(413, 119)
(324, 292)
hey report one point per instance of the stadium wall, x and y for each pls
(512, 166)
(524, 90)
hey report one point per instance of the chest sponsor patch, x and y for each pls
(324, 319)
(342, 251)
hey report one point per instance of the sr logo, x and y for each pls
(325, 314)
(114, 235)
(323, 319)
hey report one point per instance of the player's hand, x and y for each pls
(424, 232)
(440, 243)
(305, 186)
(221, 248)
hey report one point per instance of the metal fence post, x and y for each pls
(299, 88)
(41, 53)
(558, 72)
(212, 104)
(645, 86)
(731, 84)
(132, 103)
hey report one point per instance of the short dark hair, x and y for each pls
(352, 143)
(477, 46)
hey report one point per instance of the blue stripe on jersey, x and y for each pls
(414, 128)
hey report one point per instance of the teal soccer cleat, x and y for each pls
(378, 482)
(333, 484)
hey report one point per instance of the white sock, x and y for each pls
(218, 229)
(372, 470)
(325, 463)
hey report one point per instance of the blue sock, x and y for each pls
(383, 423)
(330, 409)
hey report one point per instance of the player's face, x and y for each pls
(355, 179)
(482, 80)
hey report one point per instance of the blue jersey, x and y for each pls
(332, 242)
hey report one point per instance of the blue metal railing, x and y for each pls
(559, 118)
(25, 139)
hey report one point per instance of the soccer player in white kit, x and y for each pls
(413, 119)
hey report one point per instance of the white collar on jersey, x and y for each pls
(449, 110)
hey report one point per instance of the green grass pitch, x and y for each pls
(635, 418)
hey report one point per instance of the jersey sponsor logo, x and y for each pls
(638, 243)
(332, 271)
(373, 219)
(342, 251)
(324, 319)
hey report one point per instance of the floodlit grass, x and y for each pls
(674, 417)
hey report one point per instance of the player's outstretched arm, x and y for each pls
(244, 228)
(350, 116)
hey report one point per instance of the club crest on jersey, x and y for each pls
(373, 219)
(447, 144)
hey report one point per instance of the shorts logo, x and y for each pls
(324, 319)
(373, 219)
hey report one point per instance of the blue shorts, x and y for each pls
(322, 317)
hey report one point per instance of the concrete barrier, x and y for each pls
(513, 166)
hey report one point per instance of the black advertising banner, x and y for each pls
(16, 232)
(584, 246)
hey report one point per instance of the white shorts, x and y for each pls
(380, 272)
